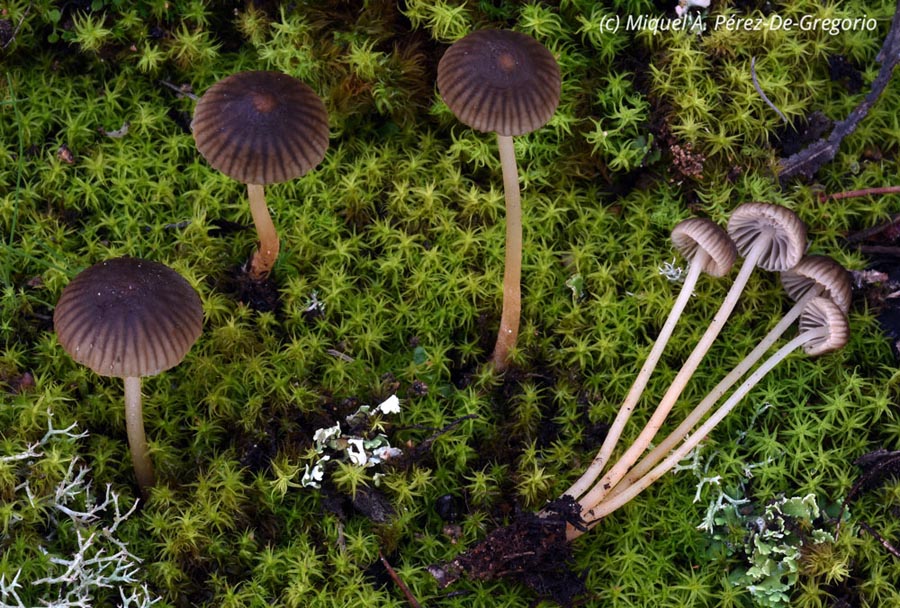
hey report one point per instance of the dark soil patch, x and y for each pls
(841, 69)
(794, 137)
(532, 550)
(260, 295)
(879, 283)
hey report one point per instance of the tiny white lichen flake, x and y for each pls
(356, 452)
(323, 436)
(391, 405)
(672, 272)
(312, 478)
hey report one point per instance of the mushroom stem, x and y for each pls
(647, 463)
(618, 470)
(263, 259)
(640, 383)
(512, 273)
(137, 441)
(594, 513)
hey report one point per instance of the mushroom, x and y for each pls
(823, 329)
(261, 128)
(707, 248)
(508, 83)
(769, 236)
(813, 276)
(129, 318)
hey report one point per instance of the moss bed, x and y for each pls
(389, 283)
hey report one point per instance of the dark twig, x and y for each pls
(884, 542)
(882, 250)
(855, 193)
(437, 430)
(811, 159)
(864, 235)
(410, 598)
(15, 33)
(760, 91)
(879, 465)
(181, 91)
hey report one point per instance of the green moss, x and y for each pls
(389, 282)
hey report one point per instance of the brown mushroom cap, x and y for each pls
(694, 235)
(752, 221)
(820, 270)
(261, 127)
(500, 81)
(128, 317)
(823, 312)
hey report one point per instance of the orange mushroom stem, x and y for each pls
(263, 260)
(507, 83)
(508, 333)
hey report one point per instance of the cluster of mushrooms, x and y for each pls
(772, 238)
(131, 318)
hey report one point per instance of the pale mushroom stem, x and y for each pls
(594, 513)
(640, 383)
(137, 441)
(508, 332)
(647, 463)
(263, 259)
(631, 455)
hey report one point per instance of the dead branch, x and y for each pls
(811, 159)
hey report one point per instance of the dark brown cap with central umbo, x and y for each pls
(261, 127)
(500, 81)
(128, 317)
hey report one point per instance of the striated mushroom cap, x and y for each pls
(751, 221)
(261, 127)
(822, 271)
(694, 235)
(128, 317)
(500, 81)
(824, 313)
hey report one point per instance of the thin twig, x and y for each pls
(866, 234)
(855, 193)
(435, 429)
(880, 464)
(338, 354)
(18, 27)
(812, 158)
(883, 250)
(179, 90)
(443, 431)
(884, 542)
(410, 598)
(760, 91)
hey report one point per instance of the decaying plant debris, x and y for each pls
(532, 550)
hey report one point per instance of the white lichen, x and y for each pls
(96, 560)
(366, 449)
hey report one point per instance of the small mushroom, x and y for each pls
(813, 276)
(261, 128)
(707, 248)
(129, 318)
(508, 83)
(823, 329)
(769, 236)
